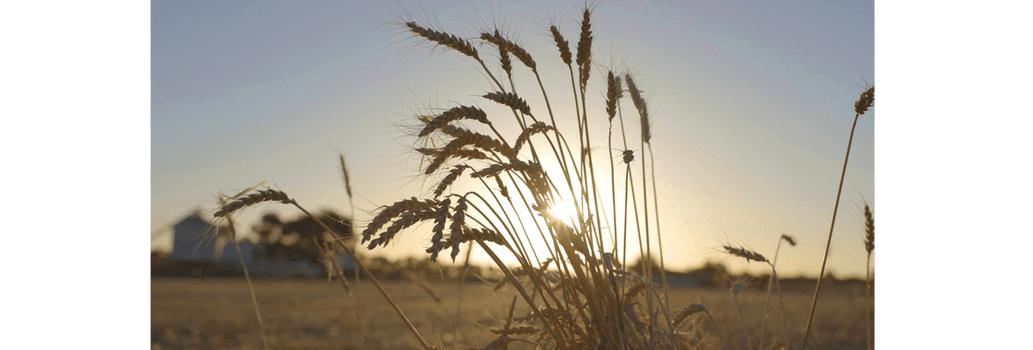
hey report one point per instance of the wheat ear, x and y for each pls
(869, 245)
(584, 48)
(266, 195)
(444, 39)
(511, 47)
(351, 205)
(695, 308)
(745, 254)
(561, 44)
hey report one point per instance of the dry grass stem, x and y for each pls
(247, 278)
(773, 281)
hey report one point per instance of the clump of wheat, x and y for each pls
(587, 300)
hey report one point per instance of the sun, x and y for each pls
(565, 211)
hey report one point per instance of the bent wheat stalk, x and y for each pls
(771, 281)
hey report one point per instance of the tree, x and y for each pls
(302, 238)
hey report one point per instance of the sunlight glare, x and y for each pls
(565, 211)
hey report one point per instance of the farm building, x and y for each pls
(206, 250)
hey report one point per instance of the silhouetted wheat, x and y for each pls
(865, 101)
(590, 299)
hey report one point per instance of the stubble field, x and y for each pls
(316, 314)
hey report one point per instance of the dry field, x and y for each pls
(316, 314)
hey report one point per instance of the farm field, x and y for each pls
(748, 133)
(316, 314)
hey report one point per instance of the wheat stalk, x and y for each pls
(736, 288)
(865, 101)
(774, 280)
(355, 267)
(247, 277)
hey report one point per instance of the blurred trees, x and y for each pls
(302, 238)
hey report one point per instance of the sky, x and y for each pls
(751, 105)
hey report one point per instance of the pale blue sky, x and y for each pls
(751, 104)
